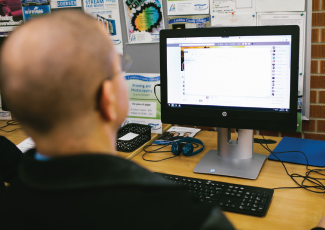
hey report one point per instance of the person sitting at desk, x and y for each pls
(62, 79)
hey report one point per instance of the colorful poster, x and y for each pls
(35, 8)
(185, 22)
(108, 14)
(188, 7)
(144, 20)
(11, 16)
(144, 107)
(68, 4)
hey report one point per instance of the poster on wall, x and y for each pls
(186, 22)
(11, 16)
(188, 7)
(144, 20)
(108, 14)
(69, 4)
(233, 13)
(144, 107)
(35, 8)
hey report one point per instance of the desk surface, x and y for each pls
(289, 209)
(19, 135)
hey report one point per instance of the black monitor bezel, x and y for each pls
(241, 119)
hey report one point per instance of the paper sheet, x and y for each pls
(8, 23)
(108, 14)
(232, 6)
(128, 137)
(143, 105)
(186, 22)
(35, 8)
(244, 4)
(237, 19)
(280, 5)
(233, 13)
(144, 20)
(189, 7)
(289, 18)
(26, 145)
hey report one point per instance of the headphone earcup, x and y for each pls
(187, 150)
(177, 148)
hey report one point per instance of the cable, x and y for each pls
(154, 89)
(316, 187)
(10, 123)
(156, 151)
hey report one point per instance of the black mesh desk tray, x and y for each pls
(144, 136)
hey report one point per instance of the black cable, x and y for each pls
(156, 151)
(10, 123)
(154, 89)
(317, 185)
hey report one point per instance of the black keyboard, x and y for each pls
(237, 198)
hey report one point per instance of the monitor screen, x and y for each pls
(239, 77)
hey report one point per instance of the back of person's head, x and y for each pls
(53, 67)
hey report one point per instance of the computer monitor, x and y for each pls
(3, 104)
(237, 77)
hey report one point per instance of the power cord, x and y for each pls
(154, 89)
(316, 187)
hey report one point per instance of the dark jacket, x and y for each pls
(100, 192)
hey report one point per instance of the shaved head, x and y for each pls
(52, 69)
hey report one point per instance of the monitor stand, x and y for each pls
(233, 158)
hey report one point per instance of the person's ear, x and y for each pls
(108, 101)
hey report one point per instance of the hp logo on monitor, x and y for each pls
(224, 114)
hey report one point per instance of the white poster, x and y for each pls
(289, 18)
(233, 13)
(108, 14)
(144, 107)
(232, 6)
(144, 20)
(280, 5)
(189, 7)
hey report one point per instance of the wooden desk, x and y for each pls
(289, 209)
(154, 136)
(18, 136)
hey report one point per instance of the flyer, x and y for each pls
(108, 14)
(11, 16)
(35, 8)
(185, 22)
(189, 7)
(233, 13)
(144, 107)
(144, 20)
(68, 4)
(176, 133)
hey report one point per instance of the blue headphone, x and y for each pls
(184, 146)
